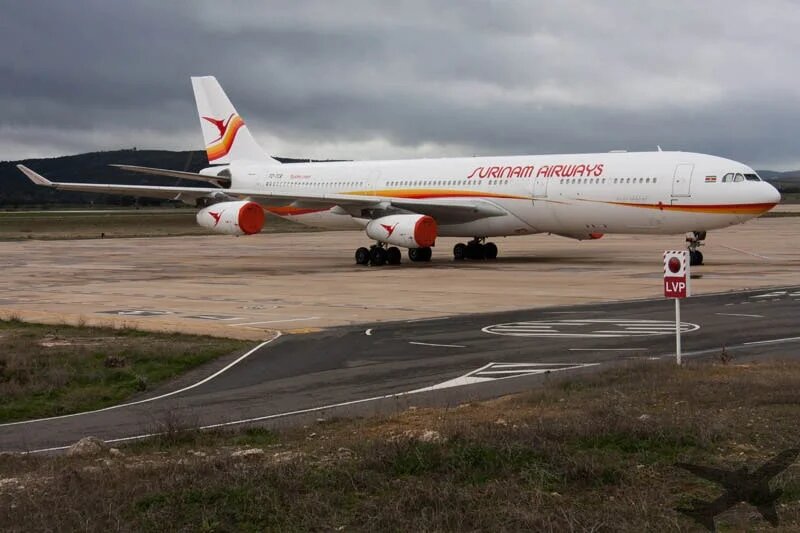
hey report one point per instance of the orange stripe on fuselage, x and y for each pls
(713, 209)
(223, 146)
(421, 194)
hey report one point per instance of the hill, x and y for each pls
(786, 182)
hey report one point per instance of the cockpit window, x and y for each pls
(738, 177)
(752, 177)
(727, 177)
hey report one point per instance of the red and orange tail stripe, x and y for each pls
(223, 146)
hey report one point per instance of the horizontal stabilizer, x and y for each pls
(217, 180)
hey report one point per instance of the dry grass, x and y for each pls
(595, 454)
(54, 370)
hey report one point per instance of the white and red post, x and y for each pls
(676, 286)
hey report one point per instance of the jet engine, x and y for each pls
(232, 218)
(408, 231)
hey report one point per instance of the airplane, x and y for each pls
(740, 485)
(410, 203)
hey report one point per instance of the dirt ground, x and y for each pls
(247, 286)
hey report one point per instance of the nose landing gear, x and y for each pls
(475, 249)
(694, 241)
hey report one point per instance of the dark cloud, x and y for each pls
(360, 79)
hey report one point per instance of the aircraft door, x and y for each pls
(682, 180)
(540, 187)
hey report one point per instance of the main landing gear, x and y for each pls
(420, 255)
(379, 255)
(475, 249)
(694, 241)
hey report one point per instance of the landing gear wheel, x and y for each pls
(490, 250)
(393, 255)
(460, 251)
(377, 256)
(475, 250)
(420, 254)
(694, 241)
(362, 256)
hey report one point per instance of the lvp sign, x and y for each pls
(676, 274)
(676, 286)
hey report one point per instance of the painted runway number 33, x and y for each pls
(676, 274)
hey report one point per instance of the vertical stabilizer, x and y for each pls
(225, 134)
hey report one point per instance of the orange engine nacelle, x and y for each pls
(408, 231)
(232, 218)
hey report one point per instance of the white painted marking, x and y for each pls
(147, 400)
(606, 349)
(368, 332)
(745, 252)
(774, 341)
(739, 314)
(520, 369)
(427, 319)
(438, 345)
(769, 294)
(275, 321)
(585, 328)
(517, 372)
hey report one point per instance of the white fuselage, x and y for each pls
(576, 195)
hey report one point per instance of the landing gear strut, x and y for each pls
(475, 249)
(694, 240)
(377, 255)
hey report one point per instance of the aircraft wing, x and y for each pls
(777, 464)
(450, 212)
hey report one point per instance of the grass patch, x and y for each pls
(55, 370)
(597, 457)
(781, 214)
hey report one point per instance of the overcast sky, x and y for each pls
(369, 80)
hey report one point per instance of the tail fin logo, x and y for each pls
(220, 146)
(222, 125)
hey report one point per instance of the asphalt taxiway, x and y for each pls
(445, 360)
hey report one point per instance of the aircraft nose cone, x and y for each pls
(772, 194)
